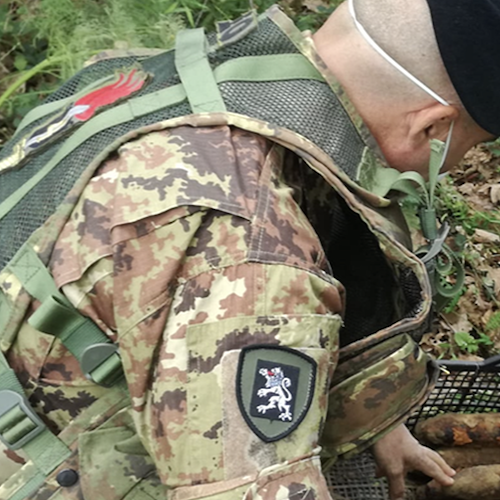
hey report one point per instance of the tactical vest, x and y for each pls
(251, 76)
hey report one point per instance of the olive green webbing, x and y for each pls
(195, 72)
(77, 333)
(29, 487)
(267, 68)
(140, 106)
(56, 316)
(32, 273)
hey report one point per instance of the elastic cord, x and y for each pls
(447, 145)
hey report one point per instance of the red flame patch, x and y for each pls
(109, 94)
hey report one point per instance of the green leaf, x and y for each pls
(484, 339)
(466, 342)
(493, 322)
(171, 8)
(20, 62)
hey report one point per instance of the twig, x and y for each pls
(26, 76)
(200, 14)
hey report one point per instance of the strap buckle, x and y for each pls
(102, 364)
(19, 423)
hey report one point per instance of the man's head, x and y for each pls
(402, 116)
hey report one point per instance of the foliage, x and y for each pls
(456, 209)
(468, 200)
(493, 323)
(470, 344)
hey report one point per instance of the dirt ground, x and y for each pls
(477, 312)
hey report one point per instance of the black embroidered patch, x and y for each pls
(275, 386)
(274, 391)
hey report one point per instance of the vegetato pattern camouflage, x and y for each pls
(186, 247)
(188, 244)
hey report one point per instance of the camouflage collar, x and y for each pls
(305, 45)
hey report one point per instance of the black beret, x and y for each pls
(468, 36)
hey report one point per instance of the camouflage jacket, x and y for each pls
(188, 245)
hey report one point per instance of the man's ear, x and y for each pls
(432, 122)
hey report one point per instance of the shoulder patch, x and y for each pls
(229, 32)
(112, 91)
(274, 389)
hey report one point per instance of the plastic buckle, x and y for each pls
(19, 423)
(101, 363)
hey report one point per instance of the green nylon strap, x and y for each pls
(108, 372)
(29, 487)
(5, 312)
(140, 106)
(195, 73)
(8, 379)
(56, 316)
(267, 68)
(75, 331)
(32, 273)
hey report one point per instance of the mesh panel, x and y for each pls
(412, 292)
(463, 391)
(303, 106)
(354, 479)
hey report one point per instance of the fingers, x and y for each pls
(396, 485)
(442, 463)
(434, 466)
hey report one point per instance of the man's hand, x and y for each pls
(399, 452)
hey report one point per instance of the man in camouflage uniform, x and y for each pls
(194, 243)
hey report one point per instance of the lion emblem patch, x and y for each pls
(277, 393)
(275, 387)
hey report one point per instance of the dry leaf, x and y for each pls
(467, 188)
(313, 5)
(494, 274)
(459, 321)
(482, 236)
(495, 194)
